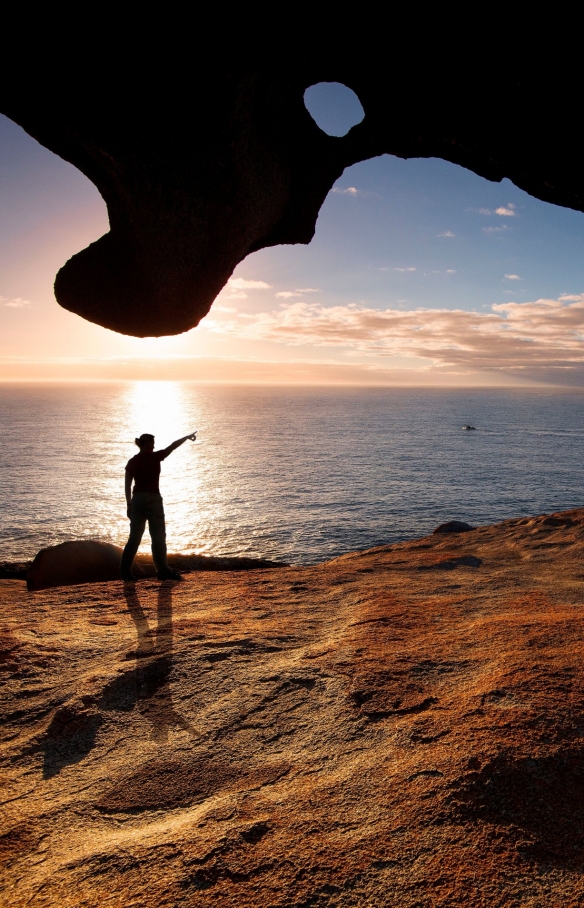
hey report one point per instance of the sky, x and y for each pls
(420, 273)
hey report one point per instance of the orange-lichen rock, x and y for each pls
(402, 726)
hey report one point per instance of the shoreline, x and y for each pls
(187, 563)
(17, 570)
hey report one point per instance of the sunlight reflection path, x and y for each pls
(160, 408)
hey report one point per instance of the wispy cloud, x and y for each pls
(543, 334)
(288, 294)
(446, 233)
(512, 277)
(404, 269)
(236, 287)
(504, 211)
(353, 193)
(448, 271)
(500, 229)
(16, 303)
(240, 284)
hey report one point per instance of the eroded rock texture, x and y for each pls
(401, 727)
(202, 160)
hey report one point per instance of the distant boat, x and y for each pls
(469, 428)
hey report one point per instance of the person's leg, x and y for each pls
(157, 527)
(137, 527)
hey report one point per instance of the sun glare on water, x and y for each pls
(157, 407)
(162, 409)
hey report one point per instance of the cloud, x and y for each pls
(288, 294)
(541, 335)
(512, 277)
(16, 303)
(240, 284)
(446, 233)
(224, 309)
(350, 190)
(236, 287)
(404, 269)
(448, 271)
(500, 229)
(503, 211)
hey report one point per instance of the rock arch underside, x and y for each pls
(202, 162)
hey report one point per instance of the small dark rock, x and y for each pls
(454, 526)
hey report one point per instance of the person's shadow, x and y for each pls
(73, 730)
(154, 660)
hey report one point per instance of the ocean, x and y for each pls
(290, 473)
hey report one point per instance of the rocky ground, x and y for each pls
(398, 727)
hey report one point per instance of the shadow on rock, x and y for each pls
(539, 799)
(172, 784)
(69, 737)
(147, 686)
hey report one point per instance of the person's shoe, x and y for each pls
(169, 575)
(128, 578)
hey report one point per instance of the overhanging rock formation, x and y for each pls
(200, 165)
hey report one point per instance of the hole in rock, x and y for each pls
(334, 108)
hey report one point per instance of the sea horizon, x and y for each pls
(298, 474)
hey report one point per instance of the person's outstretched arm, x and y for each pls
(176, 444)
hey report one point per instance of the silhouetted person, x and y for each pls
(145, 504)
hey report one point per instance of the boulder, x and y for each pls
(69, 563)
(454, 526)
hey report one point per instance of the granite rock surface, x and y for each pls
(398, 727)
